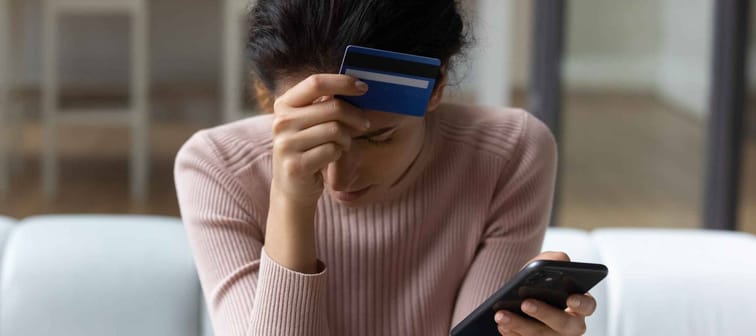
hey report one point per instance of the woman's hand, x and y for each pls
(311, 130)
(553, 321)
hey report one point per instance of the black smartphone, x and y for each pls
(545, 280)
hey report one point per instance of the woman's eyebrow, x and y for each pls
(377, 132)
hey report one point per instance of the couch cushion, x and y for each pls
(6, 223)
(679, 282)
(579, 245)
(207, 325)
(99, 275)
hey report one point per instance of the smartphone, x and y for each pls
(544, 280)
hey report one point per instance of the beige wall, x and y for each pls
(684, 67)
(612, 44)
(656, 46)
(602, 40)
(521, 43)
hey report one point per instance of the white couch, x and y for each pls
(98, 275)
(134, 275)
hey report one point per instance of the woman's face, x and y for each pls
(377, 158)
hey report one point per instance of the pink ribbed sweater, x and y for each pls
(470, 212)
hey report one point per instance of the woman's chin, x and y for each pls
(351, 199)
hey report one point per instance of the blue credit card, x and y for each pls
(399, 83)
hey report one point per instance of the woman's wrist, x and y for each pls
(290, 233)
(285, 201)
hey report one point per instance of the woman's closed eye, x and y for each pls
(380, 137)
(380, 140)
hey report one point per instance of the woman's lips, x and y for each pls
(346, 196)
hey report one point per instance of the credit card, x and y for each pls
(399, 83)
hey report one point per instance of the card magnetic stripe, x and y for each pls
(386, 64)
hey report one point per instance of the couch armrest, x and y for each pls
(99, 275)
(679, 282)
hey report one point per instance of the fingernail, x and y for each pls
(529, 307)
(362, 86)
(367, 124)
(501, 318)
(574, 302)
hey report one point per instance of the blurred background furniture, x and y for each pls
(234, 70)
(679, 282)
(11, 132)
(134, 275)
(98, 275)
(135, 116)
(667, 281)
(635, 113)
(5, 79)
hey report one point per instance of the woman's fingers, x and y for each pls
(308, 151)
(318, 113)
(512, 324)
(311, 129)
(581, 304)
(549, 255)
(504, 332)
(316, 86)
(553, 255)
(556, 319)
(316, 158)
(319, 134)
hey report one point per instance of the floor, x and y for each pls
(627, 160)
(630, 160)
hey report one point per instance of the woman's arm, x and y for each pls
(246, 292)
(518, 216)
(290, 237)
(278, 289)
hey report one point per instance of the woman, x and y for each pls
(325, 219)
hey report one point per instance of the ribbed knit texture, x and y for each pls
(469, 213)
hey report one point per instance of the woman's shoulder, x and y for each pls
(497, 130)
(232, 144)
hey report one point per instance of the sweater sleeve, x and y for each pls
(518, 216)
(247, 293)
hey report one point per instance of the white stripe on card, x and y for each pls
(379, 77)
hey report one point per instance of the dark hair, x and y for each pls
(292, 37)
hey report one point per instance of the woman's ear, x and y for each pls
(438, 92)
(264, 97)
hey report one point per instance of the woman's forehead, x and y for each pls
(381, 119)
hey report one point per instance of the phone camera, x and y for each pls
(550, 279)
